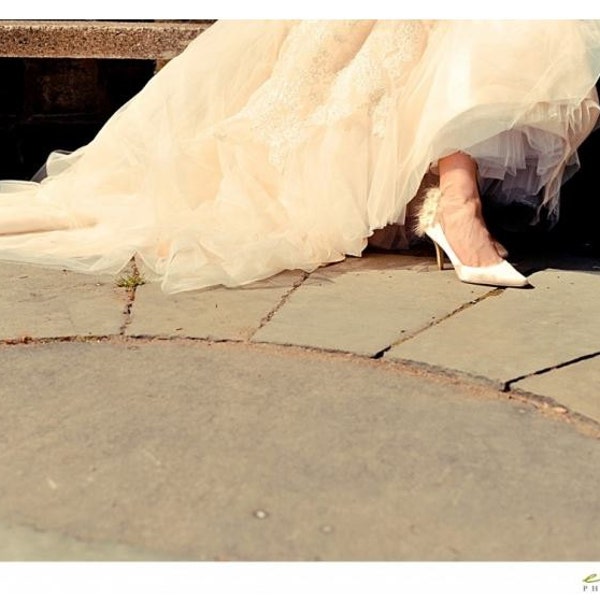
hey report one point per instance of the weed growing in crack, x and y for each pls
(130, 281)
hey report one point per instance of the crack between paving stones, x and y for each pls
(40, 341)
(282, 301)
(461, 308)
(381, 353)
(127, 312)
(508, 384)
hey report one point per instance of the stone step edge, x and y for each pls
(152, 40)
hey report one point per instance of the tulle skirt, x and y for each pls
(279, 145)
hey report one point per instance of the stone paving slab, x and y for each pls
(229, 451)
(576, 386)
(37, 302)
(220, 313)
(364, 305)
(518, 332)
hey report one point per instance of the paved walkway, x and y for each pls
(375, 410)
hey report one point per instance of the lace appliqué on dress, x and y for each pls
(327, 72)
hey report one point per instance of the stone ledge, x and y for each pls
(150, 40)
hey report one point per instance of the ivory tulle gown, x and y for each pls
(279, 145)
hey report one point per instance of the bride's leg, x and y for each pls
(459, 212)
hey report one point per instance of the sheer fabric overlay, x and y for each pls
(279, 145)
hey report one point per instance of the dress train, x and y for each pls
(279, 145)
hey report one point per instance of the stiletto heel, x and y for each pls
(439, 257)
(502, 274)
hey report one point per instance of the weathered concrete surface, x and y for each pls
(237, 451)
(222, 314)
(22, 543)
(363, 306)
(576, 386)
(40, 303)
(516, 333)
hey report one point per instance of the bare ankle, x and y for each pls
(458, 177)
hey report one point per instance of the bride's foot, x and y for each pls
(460, 215)
(451, 216)
(462, 222)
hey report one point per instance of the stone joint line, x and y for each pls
(508, 384)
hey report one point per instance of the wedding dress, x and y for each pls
(279, 145)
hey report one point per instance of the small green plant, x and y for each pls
(130, 281)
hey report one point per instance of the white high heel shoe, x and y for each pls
(501, 274)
